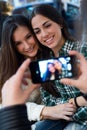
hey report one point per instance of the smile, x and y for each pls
(30, 49)
(49, 41)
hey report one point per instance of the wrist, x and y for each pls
(45, 113)
(76, 103)
(81, 101)
(41, 114)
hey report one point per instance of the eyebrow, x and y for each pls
(17, 42)
(46, 22)
(28, 34)
(42, 24)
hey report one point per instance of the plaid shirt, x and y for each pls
(65, 91)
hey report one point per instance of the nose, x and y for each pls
(26, 45)
(44, 33)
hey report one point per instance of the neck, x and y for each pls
(58, 47)
(31, 58)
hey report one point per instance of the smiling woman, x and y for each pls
(18, 44)
(25, 42)
(51, 30)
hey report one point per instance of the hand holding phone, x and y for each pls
(53, 69)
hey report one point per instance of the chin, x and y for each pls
(33, 55)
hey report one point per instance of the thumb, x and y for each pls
(22, 69)
(67, 81)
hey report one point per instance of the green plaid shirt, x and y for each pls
(65, 91)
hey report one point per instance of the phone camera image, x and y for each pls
(66, 67)
(53, 69)
(45, 68)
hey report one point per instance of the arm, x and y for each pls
(61, 111)
(34, 111)
(81, 81)
(81, 114)
(12, 109)
(56, 111)
(14, 117)
(41, 112)
(12, 91)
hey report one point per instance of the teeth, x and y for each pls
(48, 40)
(30, 49)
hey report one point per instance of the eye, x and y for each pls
(47, 25)
(17, 43)
(36, 31)
(29, 36)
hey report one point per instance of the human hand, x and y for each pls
(80, 101)
(60, 111)
(12, 92)
(71, 101)
(27, 81)
(81, 81)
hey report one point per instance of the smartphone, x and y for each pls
(53, 69)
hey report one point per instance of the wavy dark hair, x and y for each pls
(48, 73)
(52, 13)
(10, 58)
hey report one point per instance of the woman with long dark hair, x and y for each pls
(18, 44)
(51, 31)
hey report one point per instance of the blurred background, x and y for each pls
(68, 4)
(69, 9)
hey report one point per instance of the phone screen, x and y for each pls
(52, 69)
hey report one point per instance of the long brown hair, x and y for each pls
(10, 58)
(51, 13)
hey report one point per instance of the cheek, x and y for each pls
(38, 37)
(52, 69)
(19, 48)
(31, 41)
(59, 33)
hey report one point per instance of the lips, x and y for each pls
(49, 40)
(30, 49)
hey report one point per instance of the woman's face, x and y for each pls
(48, 32)
(51, 68)
(25, 42)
